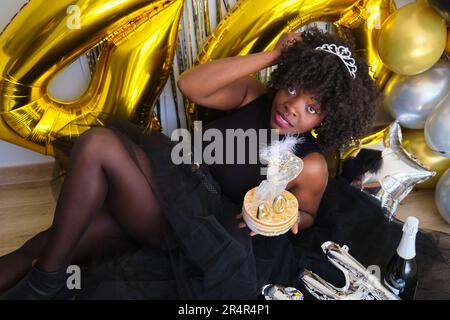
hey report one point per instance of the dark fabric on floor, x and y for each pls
(206, 256)
(146, 273)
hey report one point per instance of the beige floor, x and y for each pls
(421, 205)
(28, 208)
(25, 210)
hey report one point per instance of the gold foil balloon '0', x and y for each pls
(364, 19)
(138, 39)
(255, 25)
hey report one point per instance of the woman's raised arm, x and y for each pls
(226, 83)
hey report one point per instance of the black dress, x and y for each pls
(206, 256)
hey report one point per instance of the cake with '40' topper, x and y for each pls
(269, 209)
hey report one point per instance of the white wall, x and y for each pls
(11, 155)
(401, 3)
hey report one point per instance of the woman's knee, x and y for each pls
(152, 234)
(96, 141)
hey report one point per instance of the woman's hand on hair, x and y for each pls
(286, 40)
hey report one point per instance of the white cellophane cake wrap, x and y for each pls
(280, 206)
(283, 166)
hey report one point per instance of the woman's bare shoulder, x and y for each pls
(255, 89)
(314, 174)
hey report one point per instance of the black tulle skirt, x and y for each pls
(205, 255)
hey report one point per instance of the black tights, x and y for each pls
(105, 203)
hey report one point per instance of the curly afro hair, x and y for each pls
(350, 103)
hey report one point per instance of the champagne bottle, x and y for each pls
(401, 273)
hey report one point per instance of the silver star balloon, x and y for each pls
(400, 170)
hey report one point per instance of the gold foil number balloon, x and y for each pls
(365, 19)
(412, 39)
(253, 26)
(138, 39)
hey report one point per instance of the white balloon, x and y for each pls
(442, 196)
(437, 129)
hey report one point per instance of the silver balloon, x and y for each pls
(410, 99)
(437, 128)
(442, 196)
(399, 173)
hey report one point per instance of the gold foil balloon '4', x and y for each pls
(138, 39)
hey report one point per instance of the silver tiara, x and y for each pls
(343, 53)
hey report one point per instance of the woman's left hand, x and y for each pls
(286, 40)
(242, 224)
(294, 228)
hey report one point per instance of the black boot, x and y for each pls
(39, 285)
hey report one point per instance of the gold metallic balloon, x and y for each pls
(353, 149)
(155, 124)
(412, 39)
(447, 48)
(414, 142)
(138, 39)
(255, 26)
(365, 19)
